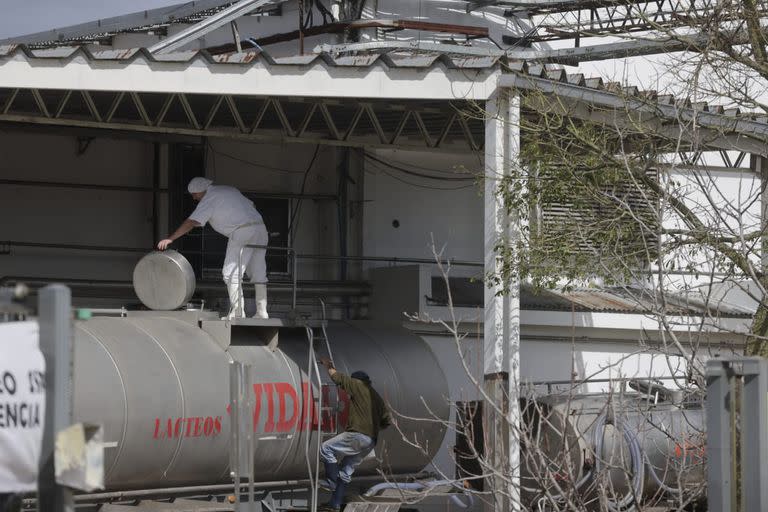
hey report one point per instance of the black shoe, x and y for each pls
(326, 507)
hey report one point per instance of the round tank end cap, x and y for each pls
(164, 280)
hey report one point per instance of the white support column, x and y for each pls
(502, 312)
(761, 168)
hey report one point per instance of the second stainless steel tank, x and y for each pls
(612, 452)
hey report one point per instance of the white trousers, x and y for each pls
(253, 261)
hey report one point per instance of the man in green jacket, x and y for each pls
(367, 415)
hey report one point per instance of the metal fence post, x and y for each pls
(55, 319)
(720, 495)
(754, 430)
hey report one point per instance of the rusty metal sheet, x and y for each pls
(123, 54)
(245, 57)
(362, 61)
(7, 49)
(474, 62)
(601, 301)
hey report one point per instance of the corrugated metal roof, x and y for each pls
(404, 60)
(627, 300)
(467, 292)
(68, 53)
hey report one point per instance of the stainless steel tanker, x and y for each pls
(159, 384)
(613, 452)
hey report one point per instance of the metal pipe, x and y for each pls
(207, 489)
(84, 186)
(388, 259)
(318, 287)
(589, 381)
(318, 257)
(156, 157)
(295, 279)
(210, 23)
(313, 197)
(74, 247)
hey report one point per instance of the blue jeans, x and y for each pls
(348, 450)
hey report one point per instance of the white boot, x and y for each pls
(261, 301)
(236, 302)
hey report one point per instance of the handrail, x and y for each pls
(318, 257)
(240, 270)
(313, 368)
(312, 364)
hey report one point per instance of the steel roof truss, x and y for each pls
(214, 110)
(164, 110)
(115, 104)
(40, 103)
(329, 121)
(423, 129)
(446, 130)
(62, 104)
(402, 123)
(191, 117)
(235, 113)
(88, 99)
(307, 119)
(140, 108)
(260, 115)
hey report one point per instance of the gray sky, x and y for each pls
(19, 17)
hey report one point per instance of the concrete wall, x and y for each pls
(72, 216)
(450, 213)
(124, 218)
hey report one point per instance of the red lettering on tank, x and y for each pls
(198, 426)
(286, 424)
(292, 412)
(257, 406)
(308, 419)
(269, 426)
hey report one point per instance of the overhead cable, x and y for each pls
(418, 174)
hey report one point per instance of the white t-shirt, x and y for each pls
(226, 209)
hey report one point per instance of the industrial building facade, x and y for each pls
(370, 160)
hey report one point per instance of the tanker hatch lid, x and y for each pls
(164, 280)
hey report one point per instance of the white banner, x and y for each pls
(22, 406)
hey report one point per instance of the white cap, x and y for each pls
(198, 184)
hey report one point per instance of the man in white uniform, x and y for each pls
(234, 216)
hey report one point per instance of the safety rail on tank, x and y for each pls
(318, 257)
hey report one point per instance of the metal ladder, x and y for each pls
(318, 343)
